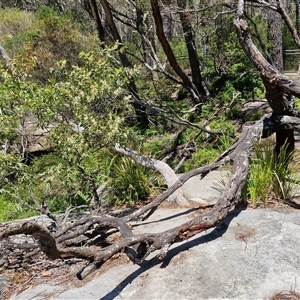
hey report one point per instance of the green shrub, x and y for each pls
(11, 209)
(131, 182)
(269, 178)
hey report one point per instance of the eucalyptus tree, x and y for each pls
(280, 93)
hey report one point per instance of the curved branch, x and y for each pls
(85, 223)
(141, 245)
(164, 169)
(278, 86)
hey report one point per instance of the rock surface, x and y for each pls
(254, 254)
(206, 191)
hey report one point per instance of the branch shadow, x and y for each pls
(216, 233)
(186, 212)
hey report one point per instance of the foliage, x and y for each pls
(229, 69)
(269, 177)
(131, 182)
(63, 78)
(85, 107)
(47, 35)
(12, 22)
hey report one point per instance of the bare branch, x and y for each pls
(138, 246)
(164, 169)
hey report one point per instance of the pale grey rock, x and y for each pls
(206, 191)
(253, 255)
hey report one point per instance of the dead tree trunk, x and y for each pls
(279, 89)
(67, 242)
(62, 244)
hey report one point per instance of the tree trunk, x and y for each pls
(297, 8)
(191, 47)
(279, 90)
(275, 37)
(278, 98)
(96, 16)
(140, 110)
(144, 29)
(196, 96)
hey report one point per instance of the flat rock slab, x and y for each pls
(205, 191)
(254, 254)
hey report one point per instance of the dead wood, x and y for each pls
(138, 246)
(94, 230)
(279, 88)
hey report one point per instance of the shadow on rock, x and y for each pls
(217, 232)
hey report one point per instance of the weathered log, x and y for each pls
(138, 246)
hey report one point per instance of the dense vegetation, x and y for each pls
(62, 76)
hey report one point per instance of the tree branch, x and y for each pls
(164, 169)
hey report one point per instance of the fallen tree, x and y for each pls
(138, 246)
(66, 240)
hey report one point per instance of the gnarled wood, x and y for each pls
(279, 88)
(138, 246)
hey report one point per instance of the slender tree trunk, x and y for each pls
(297, 16)
(142, 24)
(279, 101)
(96, 16)
(191, 47)
(197, 97)
(139, 109)
(168, 20)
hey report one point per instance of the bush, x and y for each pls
(131, 182)
(269, 177)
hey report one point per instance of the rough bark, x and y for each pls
(62, 244)
(279, 88)
(275, 37)
(297, 9)
(196, 96)
(191, 47)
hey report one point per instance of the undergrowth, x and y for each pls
(270, 178)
